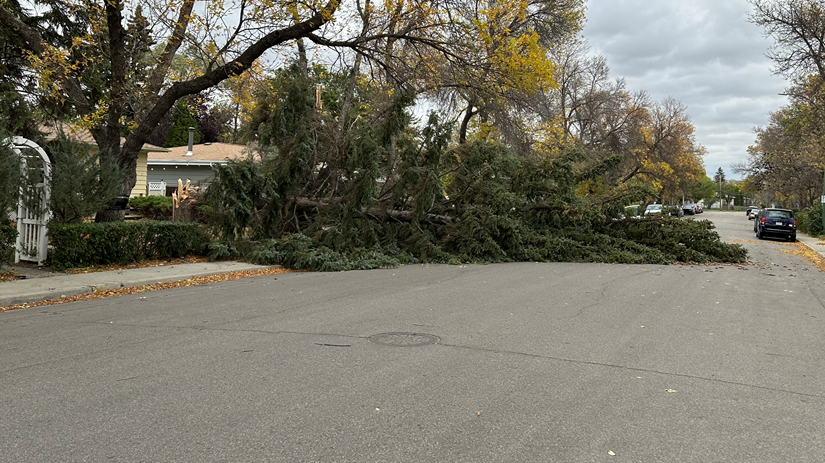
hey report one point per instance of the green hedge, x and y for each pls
(810, 221)
(153, 207)
(81, 245)
(8, 236)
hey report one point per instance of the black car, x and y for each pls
(775, 222)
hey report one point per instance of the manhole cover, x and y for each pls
(404, 339)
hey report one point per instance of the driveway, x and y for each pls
(527, 362)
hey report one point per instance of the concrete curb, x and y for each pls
(63, 285)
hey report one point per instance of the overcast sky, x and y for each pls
(703, 53)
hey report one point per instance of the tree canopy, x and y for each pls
(786, 161)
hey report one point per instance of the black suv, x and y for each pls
(776, 222)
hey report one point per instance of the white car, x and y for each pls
(653, 209)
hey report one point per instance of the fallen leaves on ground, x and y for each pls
(808, 254)
(197, 281)
(141, 264)
(6, 276)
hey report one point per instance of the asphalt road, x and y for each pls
(525, 362)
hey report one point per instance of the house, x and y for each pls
(51, 130)
(184, 163)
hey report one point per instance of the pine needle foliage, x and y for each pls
(384, 192)
(243, 194)
(82, 182)
(10, 179)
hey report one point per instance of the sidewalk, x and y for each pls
(816, 244)
(40, 285)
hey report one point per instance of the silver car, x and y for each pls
(653, 209)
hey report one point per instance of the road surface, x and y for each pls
(522, 362)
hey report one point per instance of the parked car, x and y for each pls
(688, 209)
(653, 210)
(775, 222)
(753, 213)
(751, 208)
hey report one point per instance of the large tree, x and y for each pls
(788, 157)
(98, 59)
(798, 30)
(101, 98)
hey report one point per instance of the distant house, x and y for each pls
(165, 168)
(51, 131)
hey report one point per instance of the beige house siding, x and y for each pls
(141, 186)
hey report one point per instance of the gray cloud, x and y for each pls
(703, 53)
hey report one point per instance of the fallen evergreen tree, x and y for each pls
(389, 194)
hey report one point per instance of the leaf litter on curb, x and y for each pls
(806, 253)
(196, 281)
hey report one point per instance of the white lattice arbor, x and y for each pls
(33, 207)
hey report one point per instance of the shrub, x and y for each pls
(82, 183)
(80, 245)
(10, 179)
(8, 236)
(810, 221)
(153, 207)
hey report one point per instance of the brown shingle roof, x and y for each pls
(81, 135)
(203, 152)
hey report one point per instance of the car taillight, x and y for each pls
(794, 223)
(763, 221)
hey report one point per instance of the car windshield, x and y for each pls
(779, 214)
(654, 207)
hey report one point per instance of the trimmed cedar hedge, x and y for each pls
(8, 237)
(84, 244)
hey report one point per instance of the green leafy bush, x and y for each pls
(81, 245)
(810, 221)
(153, 207)
(8, 235)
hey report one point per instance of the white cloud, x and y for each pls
(703, 53)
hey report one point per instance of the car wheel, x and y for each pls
(792, 238)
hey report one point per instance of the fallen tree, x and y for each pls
(472, 202)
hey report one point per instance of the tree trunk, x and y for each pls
(129, 170)
(468, 116)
